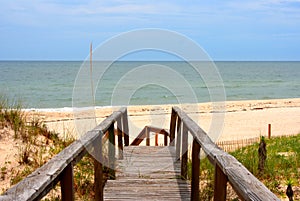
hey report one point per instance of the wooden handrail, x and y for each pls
(145, 133)
(227, 168)
(60, 167)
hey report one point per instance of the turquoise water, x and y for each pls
(44, 84)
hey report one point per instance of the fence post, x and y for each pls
(220, 184)
(269, 131)
(195, 171)
(111, 151)
(172, 127)
(120, 137)
(125, 128)
(98, 171)
(178, 141)
(67, 184)
(184, 149)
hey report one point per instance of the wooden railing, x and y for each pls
(60, 167)
(145, 134)
(227, 168)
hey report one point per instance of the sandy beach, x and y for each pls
(241, 119)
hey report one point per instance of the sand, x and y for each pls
(241, 119)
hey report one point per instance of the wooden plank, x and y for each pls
(220, 185)
(178, 139)
(172, 127)
(184, 148)
(147, 136)
(139, 179)
(195, 171)
(120, 138)
(111, 152)
(125, 128)
(98, 170)
(67, 184)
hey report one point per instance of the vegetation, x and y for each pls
(282, 165)
(36, 146)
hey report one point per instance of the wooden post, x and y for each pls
(195, 170)
(220, 184)
(98, 171)
(120, 138)
(165, 139)
(147, 136)
(67, 184)
(184, 149)
(111, 151)
(156, 139)
(125, 128)
(172, 127)
(269, 131)
(178, 141)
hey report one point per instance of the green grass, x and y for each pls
(282, 165)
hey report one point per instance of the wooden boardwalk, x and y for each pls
(148, 173)
(145, 173)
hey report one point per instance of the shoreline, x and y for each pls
(230, 102)
(242, 119)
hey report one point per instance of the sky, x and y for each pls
(250, 30)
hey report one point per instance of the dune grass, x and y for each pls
(282, 166)
(37, 145)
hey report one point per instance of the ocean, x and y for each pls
(50, 84)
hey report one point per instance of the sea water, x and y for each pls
(50, 84)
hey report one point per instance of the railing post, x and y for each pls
(67, 184)
(98, 171)
(156, 139)
(172, 127)
(184, 149)
(195, 170)
(220, 184)
(178, 141)
(120, 138)
(111, 151)
(165, 140)
(125, 128)
(147, 136)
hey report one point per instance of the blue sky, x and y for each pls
(227, 30)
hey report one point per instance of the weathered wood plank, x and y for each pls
(184, 149)
(172, 127)
(220, 187)
(195, 170)
(67, 184)
(139, 179)
(178, 139)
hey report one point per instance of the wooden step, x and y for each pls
(147, 173)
